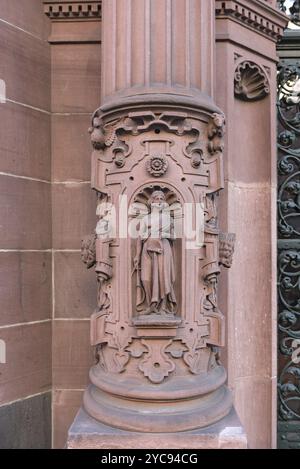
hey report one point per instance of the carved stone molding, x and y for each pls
(250, 82)
(258, 15)
(60, 10)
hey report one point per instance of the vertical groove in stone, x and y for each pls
(138, 50)
(113, 58)
(158, 41)
(128, 43)
(178, 42)
(169, 41)
(187, 44)
(207, 51)
(147, 41)
(201, 73)
(123, 47)
(196, 45)
(105, 19)
(109, 49)
(115, 44)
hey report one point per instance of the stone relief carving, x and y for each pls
(210, 212)
(88, 250)
(216, 130)
(102, 135)
(157, 314)
(157, 165)
(250, 82)
(153, 270)
(154, 259)
(112, 135)
(156, 365)
(95, 251)
(226, 249)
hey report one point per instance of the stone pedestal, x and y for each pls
(87, 433)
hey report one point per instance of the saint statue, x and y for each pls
(154, 259)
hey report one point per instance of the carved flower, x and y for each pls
(157, 165)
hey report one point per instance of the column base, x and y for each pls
(87, 433)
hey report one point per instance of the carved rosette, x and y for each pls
(157, 327)
(250, 82)
(157, 165)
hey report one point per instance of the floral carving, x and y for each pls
(250, 82)
(157, 165)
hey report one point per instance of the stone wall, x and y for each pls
(25, 228)
(75, 59)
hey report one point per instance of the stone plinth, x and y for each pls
(87, 433)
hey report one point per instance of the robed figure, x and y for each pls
(154, 260)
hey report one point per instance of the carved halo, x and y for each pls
(143, 196)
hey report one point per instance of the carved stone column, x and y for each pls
(158, 144)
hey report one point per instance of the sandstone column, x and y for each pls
(246, 34)
(158, 144)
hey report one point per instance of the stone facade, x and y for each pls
(52, 91)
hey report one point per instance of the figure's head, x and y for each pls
(157, 197)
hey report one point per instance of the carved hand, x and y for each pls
(136, 262)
